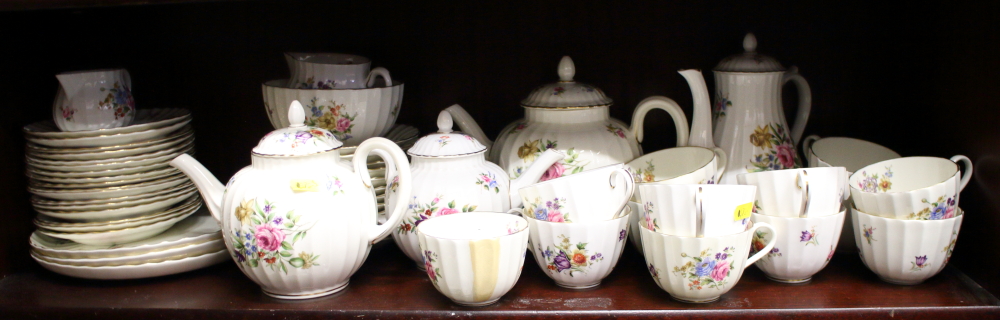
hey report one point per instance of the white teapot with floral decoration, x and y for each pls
(451, 175)
(571, 117)
(299, 221)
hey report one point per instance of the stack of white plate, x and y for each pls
(404, 136)
(111, 186)
(193, 243)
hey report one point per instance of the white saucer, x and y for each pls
(147, 270)
(37, 148)
(96, 174)
(119, 236)
(110, 192)
(112, 154)
(111, 203)
(110, 140)
(145, 119)
(111, 164)
(187, 199)
(197, 249)
(108, 181)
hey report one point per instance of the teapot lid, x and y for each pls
(749, 60)
(566, 93)
(298, 139)
(445, 142)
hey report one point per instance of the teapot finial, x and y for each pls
(445, 122)
(566, 69)
(750, 42)
(296, 115)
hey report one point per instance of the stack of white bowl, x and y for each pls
(109, 187)
(906, 216)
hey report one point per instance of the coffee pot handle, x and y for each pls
(378, 72)
(805, 102)
(665, 104)
(767, 248)
(396, 159)
(967, 173)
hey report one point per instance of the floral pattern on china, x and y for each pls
(420, 212)
(489, 182)
(333, 117)
(875, 182)
(566, 256)
(119, 99)
(551, 210)
(267, 237)
(758, 243)
(707, 270)
(302, 138)
(809, 237)
(430, 258)
(776, 147)
(533, 148)
(650, 222)
(919, 263)
(937, 210)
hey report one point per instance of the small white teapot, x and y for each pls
(451, 175)
(298, 221)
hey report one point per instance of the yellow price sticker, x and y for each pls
(743, 211)
(304, 185)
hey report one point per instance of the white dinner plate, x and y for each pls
(161, 156)
(146, 209)
(110, 140)
(183, 132)
(120, 236)
(102, 173)
(145, 119)
(198, 249)
(120, 153)
(108, 181)
(111, 203)
(110, 192)
(146, 270)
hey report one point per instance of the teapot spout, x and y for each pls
(701, 122)
(468, 125)
(533, 174)
(210, 187)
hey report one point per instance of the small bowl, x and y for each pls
(905, 252)
(362, 113)
(911, 188)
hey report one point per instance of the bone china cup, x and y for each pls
(803, 192)
(474, 258)
(911, 188)
(699, 270)
(93, 100)
(593, 195)
(802, 246)
(681, 165)
(331, 71)
(578, 255)
(675, 208)
(905, 252)
(852, 154)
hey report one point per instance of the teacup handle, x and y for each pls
(720, 164)
(807, 146)
(699, 215)
(396, 159)
(968, 170)
(767, 248)
(802, 182)
(629, 188)
(378, 72)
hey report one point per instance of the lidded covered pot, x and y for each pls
(451, 175)
(299, 221)
(571, 117)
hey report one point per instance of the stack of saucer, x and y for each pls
(404, 136)
(111, 186)
(190, 244)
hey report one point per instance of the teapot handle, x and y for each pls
(396, 159)
(767, 248)
(805, 102)
(378, 72)
(665, 104)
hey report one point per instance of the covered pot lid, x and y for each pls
(749, 60)
(445, 142)
(566, 93)
(298, 139)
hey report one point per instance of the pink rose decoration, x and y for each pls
(949, 213)
(269, 237)
(721, 271)
(430, 270)
(556, 216)
(343, 124)
(444, 212)
(786, 155)
(555, 171)
(649, 223)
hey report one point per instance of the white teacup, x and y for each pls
(93, 99)
(680, 165)
(905, 251)
(695, 210)
(850, 153)
(474, 258)
(804, 192)
(699, 270)
(593, 195)
(332, 71)
(802, 246)
(911, 188)
(578, 255)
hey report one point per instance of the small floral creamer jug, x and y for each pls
(93, 100)
(451, 175)
(299, 221)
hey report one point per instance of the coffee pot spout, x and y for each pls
(701, 122)
(210, 187)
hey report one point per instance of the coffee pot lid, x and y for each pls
(298, 139)
(445, 142)
(566, 93)
(749, 60)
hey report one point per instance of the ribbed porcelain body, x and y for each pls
(905, 251)
(448, 185)
(749, 123)
(553, 243)
(317, 196)
(589, 137)
(802, 247)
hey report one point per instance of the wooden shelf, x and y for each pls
(389, 286)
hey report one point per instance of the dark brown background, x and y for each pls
(920, 78)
